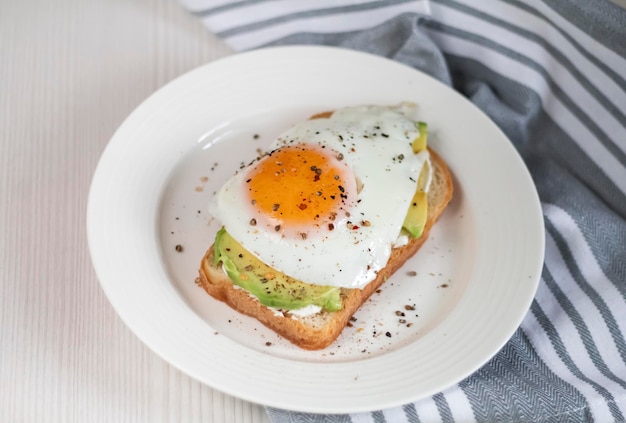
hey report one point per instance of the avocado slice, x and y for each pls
(271, 287)
(419, 143)
(415, 219)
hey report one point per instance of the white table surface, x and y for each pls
(70, 72)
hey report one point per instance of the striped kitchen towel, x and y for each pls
(552, 75)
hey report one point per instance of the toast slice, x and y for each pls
(319, 330)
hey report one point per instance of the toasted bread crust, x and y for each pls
(322, 329)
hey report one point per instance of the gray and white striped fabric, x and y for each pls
(552, 75)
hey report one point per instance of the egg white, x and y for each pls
(376, 144)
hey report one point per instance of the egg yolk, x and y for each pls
(299, 186)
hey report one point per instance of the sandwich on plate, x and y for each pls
(318, 223)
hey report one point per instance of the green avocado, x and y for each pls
(415, 219)
(419, 143)
(272, 288)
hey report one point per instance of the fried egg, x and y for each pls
(327, 202)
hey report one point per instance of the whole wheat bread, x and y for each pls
(319, 330)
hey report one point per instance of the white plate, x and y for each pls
(476, 275)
